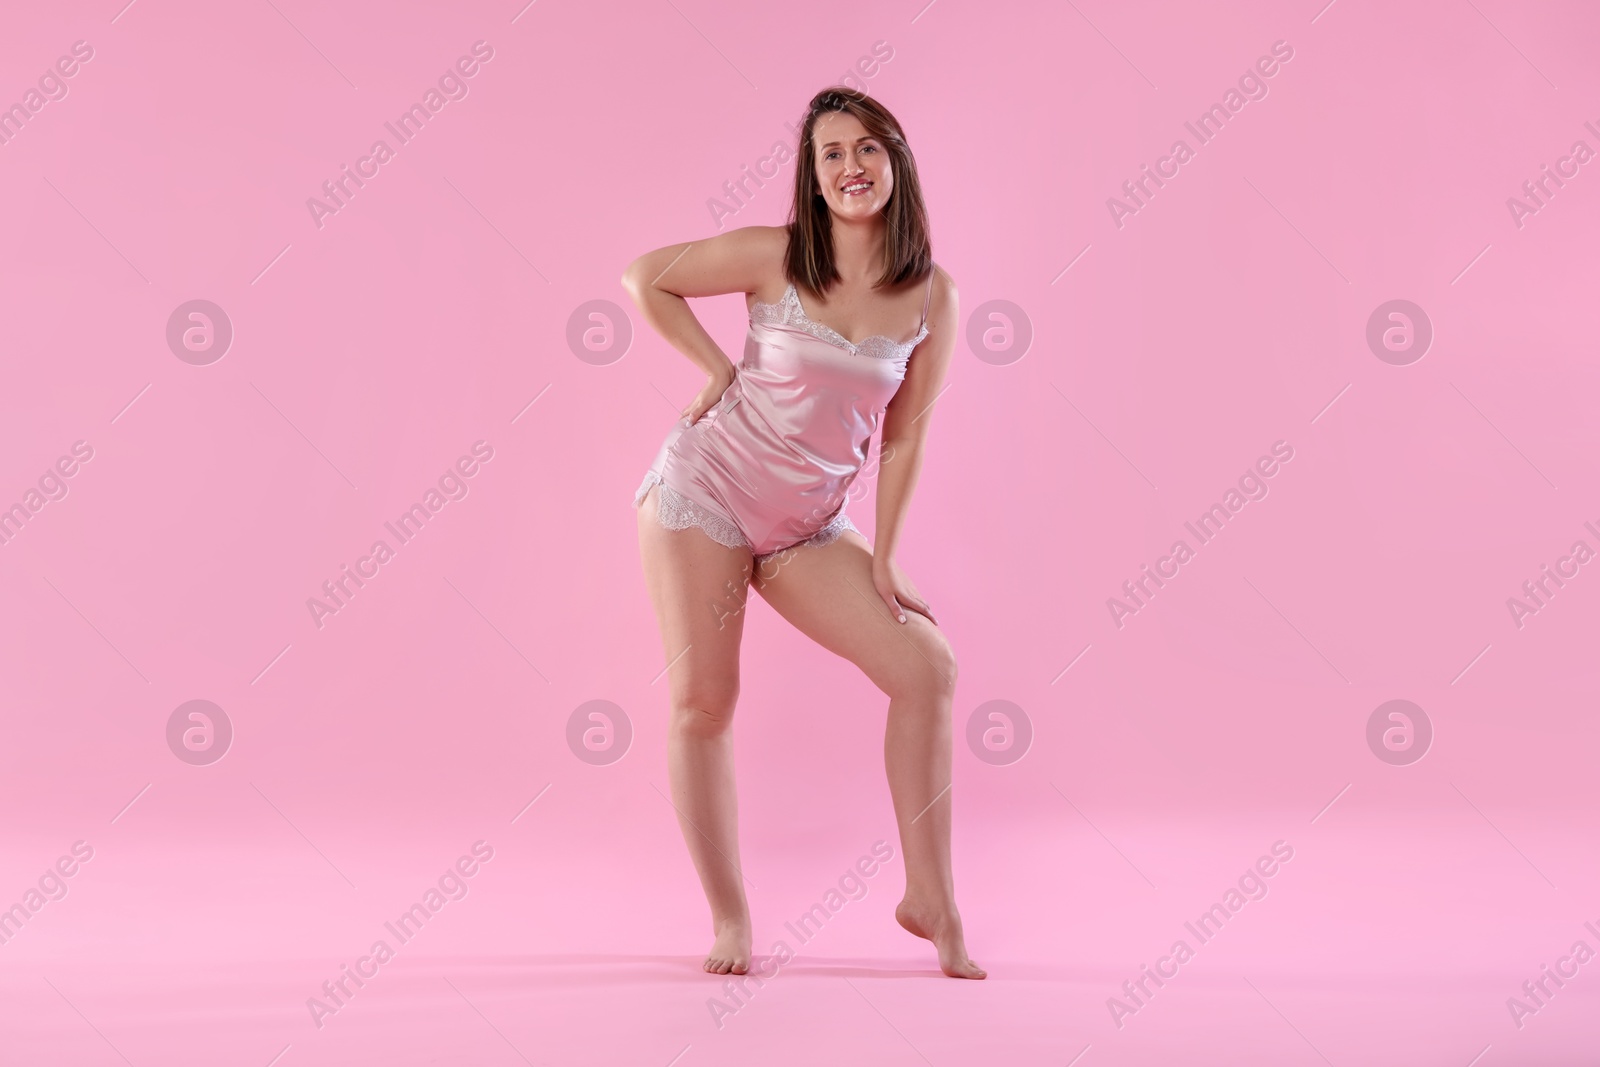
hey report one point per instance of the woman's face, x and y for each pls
(853, 172)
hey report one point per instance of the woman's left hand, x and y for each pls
(898, 592)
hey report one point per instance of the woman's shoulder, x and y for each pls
(748, 259)
(767, 249)
(942, 289)
(774, 238)
(761, 242)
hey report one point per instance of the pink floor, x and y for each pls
(1386, 939)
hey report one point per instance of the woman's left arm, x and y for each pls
(905, 429)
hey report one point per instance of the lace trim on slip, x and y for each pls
(677, 512)
(789, 312)
(825, 536)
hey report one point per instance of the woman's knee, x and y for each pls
(928, 670)
(705, 711)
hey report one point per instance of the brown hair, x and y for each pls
(907, 253)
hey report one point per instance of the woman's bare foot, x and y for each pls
(730, 952)
(942, 926)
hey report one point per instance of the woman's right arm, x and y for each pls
(661, 282)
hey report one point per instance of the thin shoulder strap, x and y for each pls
(929, 297)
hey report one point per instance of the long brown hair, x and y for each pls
(907, 252)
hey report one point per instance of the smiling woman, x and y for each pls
(738, 192)
(852, 326)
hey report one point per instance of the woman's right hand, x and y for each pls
(716, 385)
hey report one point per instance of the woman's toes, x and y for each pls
(730, 952)
(968, 970)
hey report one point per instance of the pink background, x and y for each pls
(368, 354)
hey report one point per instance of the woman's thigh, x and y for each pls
(698, 588)
(826, 592)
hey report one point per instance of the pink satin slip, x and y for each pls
(769, 466)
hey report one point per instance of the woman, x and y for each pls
(749, 489)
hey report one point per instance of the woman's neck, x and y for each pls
(858, 248)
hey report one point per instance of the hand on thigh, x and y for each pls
(827, 593)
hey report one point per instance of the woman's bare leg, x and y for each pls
(698, 588)
(827, 593)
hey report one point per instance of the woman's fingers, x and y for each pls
(920, 606)
(899, 596)
(704, 401)
(899, 604)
